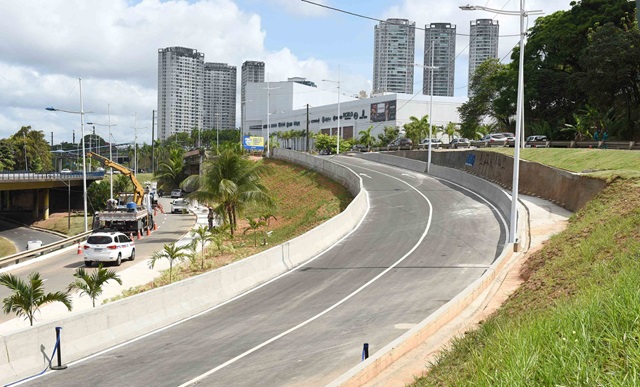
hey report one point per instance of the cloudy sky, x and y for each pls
(112, 45)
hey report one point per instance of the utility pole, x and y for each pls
(308, 150)
(153, 143)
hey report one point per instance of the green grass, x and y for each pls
(601, 163)
(6, 247)
(60, 222)
(575, 319)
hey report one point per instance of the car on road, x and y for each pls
(534, 139)
(460, 143)
(177, 193)
(434, 142)
(494, 138)
(403, 141)
(110, 246)
(65, 170)
(179, 206)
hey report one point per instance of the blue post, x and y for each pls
(365, 351)
(58, 349)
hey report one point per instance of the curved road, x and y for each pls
(20, 235)
(422, 242)
(58, 270)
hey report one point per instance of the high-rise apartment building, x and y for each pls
(443, 36)
(180, 90)
(252, 71)
(393, 56)
(483, 43)
(219, 96)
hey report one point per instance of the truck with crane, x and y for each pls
(130, 214)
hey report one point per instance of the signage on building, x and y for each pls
(383, 111)
(252, 143)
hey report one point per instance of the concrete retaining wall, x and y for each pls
(569, 190)
(23, 353)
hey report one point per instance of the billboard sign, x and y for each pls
(383, 111)
(254, 144)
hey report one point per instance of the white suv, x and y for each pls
(108, 247)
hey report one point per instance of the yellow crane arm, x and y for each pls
(138, 189)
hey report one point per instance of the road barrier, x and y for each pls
(29, 254)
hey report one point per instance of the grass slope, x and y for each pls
(575, 319)
(6, 247)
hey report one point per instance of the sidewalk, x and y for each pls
(545, 220)
(138, 274)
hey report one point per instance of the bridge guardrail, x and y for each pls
(25, 255)
(623, 145)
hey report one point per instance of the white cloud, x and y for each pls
(302, 8)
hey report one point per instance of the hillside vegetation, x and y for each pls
(574, 321)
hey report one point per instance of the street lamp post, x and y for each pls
(217, 131)
(84, 159)
(338, 82)
(269, 88)
(110, 146)
(431, 68)
(513, 225)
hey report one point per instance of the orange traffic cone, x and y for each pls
(79, 249)
(155, 226)
(148, 231)
(139, 236)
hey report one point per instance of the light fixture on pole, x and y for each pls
(84, 159)
(110, 147)
(338, 82)
(513, 221)
(431, 68)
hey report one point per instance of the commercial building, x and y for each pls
(443, 36)
(252, 71)
(219, 96)
(483, 43)
(393, 56)
(180, 90)
(286, 104)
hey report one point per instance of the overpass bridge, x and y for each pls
(35, 195)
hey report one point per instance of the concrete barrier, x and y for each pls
(24, 353)
(380, 360)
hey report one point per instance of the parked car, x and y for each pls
(108, 247)
(434, 142)
(179, 206)
(403, 141)
(537, 138)
(177, 193)
(460, 143)
(494, 138)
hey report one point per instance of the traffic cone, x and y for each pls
(139, 236)
(79, 249)
(148, 231)
(155, 226)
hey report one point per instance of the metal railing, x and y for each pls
(623, 145)
(50, 176)
(30, 254)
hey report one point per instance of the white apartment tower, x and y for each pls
(483, 43)
(180, 90)
(444, 37)
(252, 72)
(219, 96)
(393, 56)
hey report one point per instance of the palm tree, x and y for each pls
(202, 235)
(451, 130)
(219, 235)
(254, 226)
(417, 129)
(28, 297)
(171, 172)
(365, 138)
(232, 182)
(92, 285)
(170, 252)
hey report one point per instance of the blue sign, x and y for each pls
(471, 159)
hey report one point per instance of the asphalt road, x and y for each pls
(21, 235)
(422, 242)
(58, 270)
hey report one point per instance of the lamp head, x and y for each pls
(468, 7)
(51, 109)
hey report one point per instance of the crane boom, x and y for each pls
(138, 189)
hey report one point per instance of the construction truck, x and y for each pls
(129, 213)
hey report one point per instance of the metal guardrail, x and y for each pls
(50, 176)
(624, 145)
(29, 254)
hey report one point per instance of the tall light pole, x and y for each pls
(135, 143)
(338, 82)
(242, 108)
(217, 131)
(110, 146)
(84, 158)
(431, 69)
(269, 88)
(513, 225)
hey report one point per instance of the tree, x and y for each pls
(366, 138)
(93, 284)
(31, 150)
(29, 296)
(172, 253)
(254, 226)
(388, 134)
(6, 155)
(171, 172)
(201, 235)
(231, 181)
(98, 193)
(219, 235)
(451, 130)
(417, 129)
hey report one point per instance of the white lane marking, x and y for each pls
(329, 309)
(365, 175)
(408, 175)
(232, 299)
